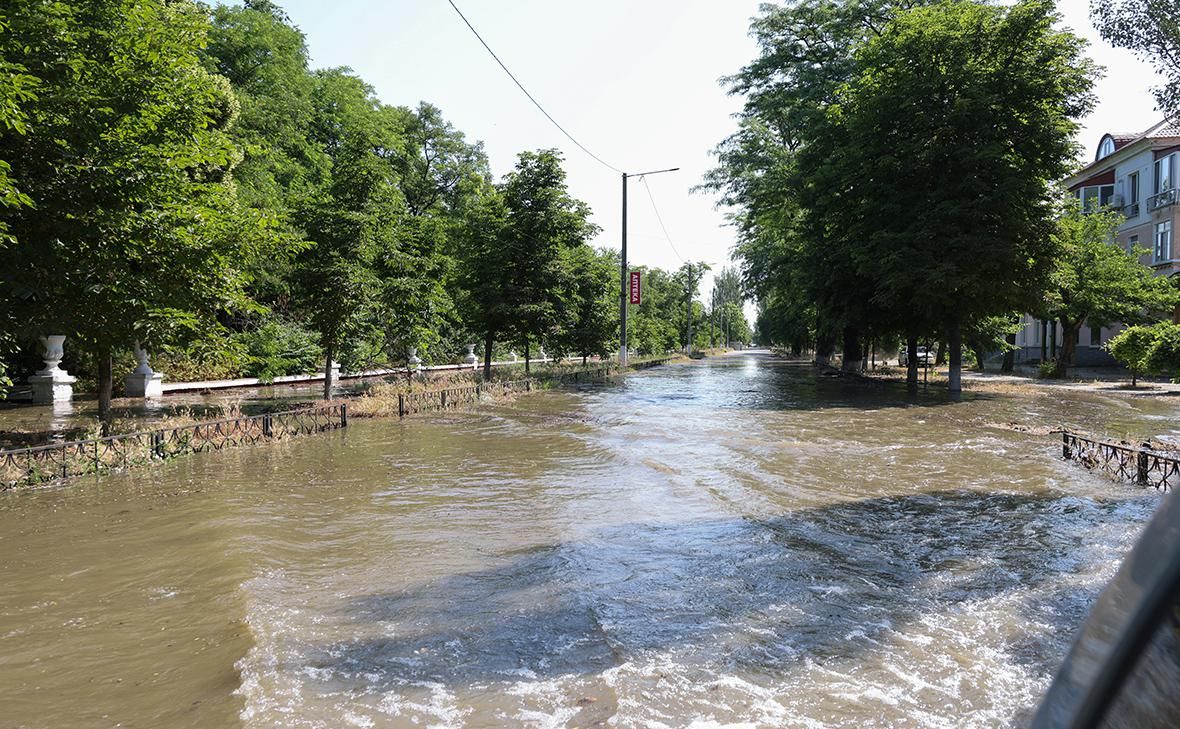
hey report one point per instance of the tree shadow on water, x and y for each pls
(764, 595)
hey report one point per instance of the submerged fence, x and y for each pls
(31, 466)
(429, 401)
(40, 464)
(1141, 465)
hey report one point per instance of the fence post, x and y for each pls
(65, 463)
(442, 396)
(267, 426)
(1065, 444)
(1141, 470)
(343, 415)
(401, 405)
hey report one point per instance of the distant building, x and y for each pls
(1139, 175)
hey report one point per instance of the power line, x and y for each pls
(660, 219)
(526, 92)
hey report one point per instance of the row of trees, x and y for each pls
(894, 176)
(178, 175)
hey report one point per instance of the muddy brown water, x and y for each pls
(723, 543)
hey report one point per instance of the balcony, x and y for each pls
(1131, 211)
(1162, 200)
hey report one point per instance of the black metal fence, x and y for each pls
(41, 464)
(31, 466)
(1142, 465)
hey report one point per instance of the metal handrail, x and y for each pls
(1162, 199)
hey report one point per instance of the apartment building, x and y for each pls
(1138, 174)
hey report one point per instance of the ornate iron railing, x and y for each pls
(1163, 199)
(1142, 465)
(31, 466)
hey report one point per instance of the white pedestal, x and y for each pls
(137, 385)
(56, 386)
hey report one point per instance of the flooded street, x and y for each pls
(723, 543)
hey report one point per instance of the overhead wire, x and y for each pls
(536, 103)
(660, 219)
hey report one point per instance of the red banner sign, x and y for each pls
(635, 287)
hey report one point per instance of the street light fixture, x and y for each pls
(623, 267)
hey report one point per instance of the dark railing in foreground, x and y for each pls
(1141, 465)
(31, 466)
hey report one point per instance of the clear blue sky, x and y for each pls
(636, 82)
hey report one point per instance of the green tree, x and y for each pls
(485, 272)
(1164, 352)
(591, 325)
(542, 222)
(946, 142)
(1150, 29)
(1133, 346)
(134, 232)
(351, 220)
(1094, 280)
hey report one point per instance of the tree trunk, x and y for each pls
(1134, 378)
(979, 356)
(106, 385)
(911, 365)
(526, 356)
(1010, 355)
(940, 358)
(584, 358)
(851, 355)
(328, 353)
(1069, 342)
(488, 341)
(955, 376)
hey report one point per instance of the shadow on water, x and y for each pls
(767, 596)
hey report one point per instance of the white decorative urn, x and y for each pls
(469, 357)
(413, 360)
(143, 380)
(52, 384)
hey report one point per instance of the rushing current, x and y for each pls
(733, 542)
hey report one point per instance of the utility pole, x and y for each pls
(623, 272)
(712, 316)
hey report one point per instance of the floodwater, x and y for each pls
(723, 543)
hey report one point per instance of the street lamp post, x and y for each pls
(623, 268)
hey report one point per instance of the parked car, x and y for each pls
(925, 357)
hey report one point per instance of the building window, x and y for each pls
(1163, 241)
(1132, 244)
(1106, 148)
(1095, 336)
(1132, 188)
(1095, 197)
(1165, 173)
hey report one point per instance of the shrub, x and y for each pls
(1131, 347)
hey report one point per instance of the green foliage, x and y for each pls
(1093, 280)
(890, 170)
(134, 231)
(1132, 347)
(1150, 29)
(591, 306)
(276, 348)
(1164, 354)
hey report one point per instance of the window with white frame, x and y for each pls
(1165, 173)
(1095, 196)
(1163, 241)
(1132, 188)
(1106, 148)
